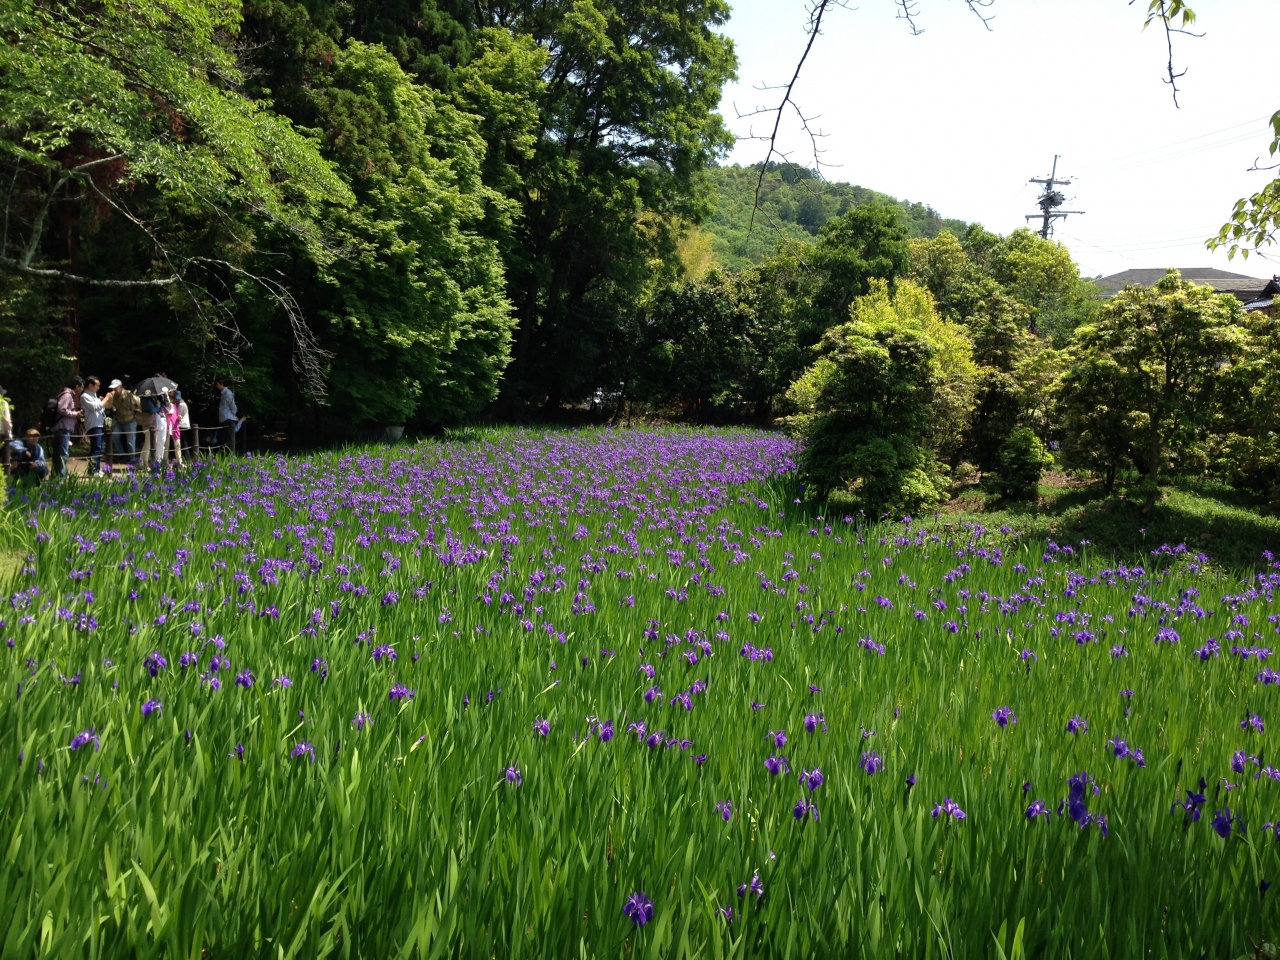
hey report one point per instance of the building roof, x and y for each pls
(1244, 288)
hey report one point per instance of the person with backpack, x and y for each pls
(124, 411)
(68, 418)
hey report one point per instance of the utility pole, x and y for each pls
(1050, 200)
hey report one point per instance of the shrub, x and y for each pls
(1021, 461)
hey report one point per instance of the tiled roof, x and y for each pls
(1244, 288)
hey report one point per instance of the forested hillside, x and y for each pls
(795, 203)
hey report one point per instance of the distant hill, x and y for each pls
(794, 202)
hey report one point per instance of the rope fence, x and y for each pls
(188, 446)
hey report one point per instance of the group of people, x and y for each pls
(152, 427)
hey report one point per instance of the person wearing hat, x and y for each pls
(95, 418)
(124, 410)
(6, 428)
(26, 457)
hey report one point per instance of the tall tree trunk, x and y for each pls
(1153, 460)
(73, 299)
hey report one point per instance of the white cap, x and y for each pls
(114, 384)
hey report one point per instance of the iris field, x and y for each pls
(616, 694)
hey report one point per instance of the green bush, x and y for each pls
(1021, 461)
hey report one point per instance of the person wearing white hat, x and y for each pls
(124, 411)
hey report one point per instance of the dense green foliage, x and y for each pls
(886, 383)
(389, 202)
(401, 834)
(794, 204)
(1157, 354)
(1021, 462)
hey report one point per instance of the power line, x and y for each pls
(1177, 143)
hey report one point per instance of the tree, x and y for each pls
(1094, 404)
(627, 125)
(418, 296)
(694, 349)
(1000, 343)
(1245, 447)
(886, 385)
(1170, 345)
(867, 243)
(103, 105)
(1021, 461)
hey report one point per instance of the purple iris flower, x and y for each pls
(513, 776)
(812, 720)
(779, 737)
(725, 809)
(400, 692)
(361, 719)
(542, 726)
(303, 748)
(1221, 822)
(1253, 722)
(85, 737)
(776, 765)
(756, 886)
(606, 731)
(812, 779)
(151, 706)
(948, 808)
(244, 679)
(1239, 759)
(1191, 806)
(871, 762)
(320, 667)
(1077, 724)
(1037, 809)
(1003, 716)
(804, 808)
(155, 662)
(638, 908)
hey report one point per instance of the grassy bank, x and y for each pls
(1232, 526)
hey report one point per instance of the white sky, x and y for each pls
(960, 117)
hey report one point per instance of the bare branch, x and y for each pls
(310, 360)
(977, 7)
(816, 12)
(49, 274)
(908, 11)
(37, 226)
(1257, 169)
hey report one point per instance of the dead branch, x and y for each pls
(817, 11)
(908, 11)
